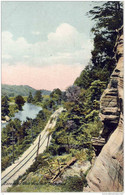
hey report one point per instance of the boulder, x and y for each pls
(76, 169)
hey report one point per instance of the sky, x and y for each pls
(45, 45)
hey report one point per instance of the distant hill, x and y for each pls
(23, 90)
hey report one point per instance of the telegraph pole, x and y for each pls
(68, 145)
(31, 132)
(48, 140)
(38, 147)
(13, 141)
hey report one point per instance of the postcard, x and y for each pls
(62, 96)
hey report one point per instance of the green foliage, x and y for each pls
(72, 93)
(30, 98)
(75, 127)
(12, 109)
(108, 16)
(108, 19)
(40, 162)
(19, 100)
(85, 78)
(56, 94)
(49, 104)
(38, 96)
(50, 187)
(12, 99)
(23, 90)
(44, 166)
(4, 106)
(96, 89)
(5, 162)
(15, 90)
(92, 96)
(36, 188)
(94, 78)
(92, 116)
(81, 155)
(53, 101)
(74, 184)
(24, 135)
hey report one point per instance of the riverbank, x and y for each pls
(18, 134)
(28, 110)
(29, 156)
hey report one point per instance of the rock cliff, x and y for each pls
(106, 174)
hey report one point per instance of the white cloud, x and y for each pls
(64, 30)
(25, 56)
(64, 46)
(35, 32)
(6, 56)
(14, 48)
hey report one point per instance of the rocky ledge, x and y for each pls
(106, 174)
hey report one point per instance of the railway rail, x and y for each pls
(25, 161)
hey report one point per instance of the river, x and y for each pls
(29, 110)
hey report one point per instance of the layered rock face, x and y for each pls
(107, 173)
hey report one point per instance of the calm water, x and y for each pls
(29, 110)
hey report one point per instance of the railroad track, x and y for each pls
(26, 160)
(20, 164)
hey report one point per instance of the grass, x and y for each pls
(37, 188)
(71, 184)
(31, 182)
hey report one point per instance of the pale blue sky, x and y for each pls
(21, 18)
(49, 40)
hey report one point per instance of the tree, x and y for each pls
(72, 93)
(108, 19)
(30, 98)
(19, 100)
(4, 106)
(41, 115)
(56, 95)
(85, 78)
(70, 125)
(38, 96)
(96, 89)
(55, 92)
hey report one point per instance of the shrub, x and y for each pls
(81, 155)
(5, 162)
(74, 184)
(3, 118)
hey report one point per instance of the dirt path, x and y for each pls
(28, 157)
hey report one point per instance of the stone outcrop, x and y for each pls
(106, 174)
(98, 143)
(76, 169)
